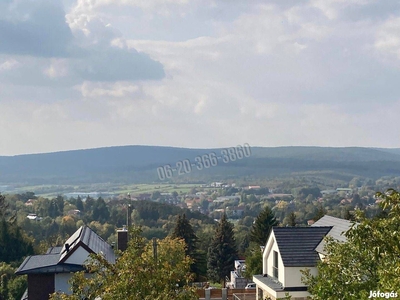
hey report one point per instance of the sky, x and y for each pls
(78, 74)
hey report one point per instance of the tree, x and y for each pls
(3, 207)
(321, 211)
(348, 215)
(253, 261)
(14, 244)
(222, 251)
(183, 230)
(368, 261)
(11, 285)
(100, 211)
(262, 226)
(79, 204)
(292, 219)
(139, 273)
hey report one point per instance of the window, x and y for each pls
(275, 265)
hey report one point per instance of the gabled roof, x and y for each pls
(88, 239)
(297, 244)
(47, 263)
(339, 227)
(54, 261)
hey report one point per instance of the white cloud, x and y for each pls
(388, 37)
(267, 73)
(118, 89)
(58, 68)
(9, 64)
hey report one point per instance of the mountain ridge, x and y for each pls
(139, 163)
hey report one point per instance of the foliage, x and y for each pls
(183, 230)
(3, 207)
(262, 226)
(369, 260)
(11, 286)
(222, 251)
(253, 261)
(100, 211)
(14, 244)
(321, 211)
(137, 274)
(292, 219)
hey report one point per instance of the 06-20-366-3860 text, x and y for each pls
(204, 161)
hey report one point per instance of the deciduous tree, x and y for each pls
(138, 273)
(368, 261)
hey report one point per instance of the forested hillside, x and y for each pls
(138, 164)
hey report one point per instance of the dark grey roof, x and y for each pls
(47, 263)
(54, 250)
(54, 259)
(339, 227)
(39, 261)
(275, 285)
(297, 244)
(85, 235)
(270, 282)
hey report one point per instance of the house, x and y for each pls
(32, 216)
(291, 249)
(30, 202)
(339, 226)
(50, 272)
(237, 279)
(254, 187)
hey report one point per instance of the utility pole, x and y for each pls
(155, 249)
(128, 215)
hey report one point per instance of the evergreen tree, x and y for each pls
(262, 226)
(222, 251)
(292, 219)
(320, 213)
(100, 211)
(79, 204)
(183, 230)
(14, 245)
(3, 207)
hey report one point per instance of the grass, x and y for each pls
(134, 189)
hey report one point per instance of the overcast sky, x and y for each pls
(198, 73)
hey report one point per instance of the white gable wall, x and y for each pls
(78, 257)
(293, 276)
(268, 259)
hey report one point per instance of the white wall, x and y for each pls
(293, 276)
(78, 257)
(268, 259)
(61, 282)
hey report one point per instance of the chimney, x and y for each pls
(122, 238)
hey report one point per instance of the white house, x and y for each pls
(291, 249)
(50, 272)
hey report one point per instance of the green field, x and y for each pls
(134, 189)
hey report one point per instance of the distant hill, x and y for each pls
(138, 164)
